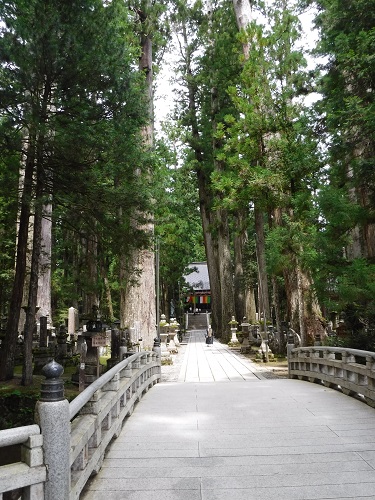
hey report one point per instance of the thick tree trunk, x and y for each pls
(10, 341)
(242, 9)
(362, 243)
(239, 242)
(276, 308)
(44, 283)
(226, 274)
(304, 310)
(244, 16)
(138, 304)
(244, 288)
(139, 301)
(304, 313)
(108, 295)
(264, 302)
(30, 323)
(211, 254)
(91, 298)
(220, 216)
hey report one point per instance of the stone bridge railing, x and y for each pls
(68, 443)
(350, 370)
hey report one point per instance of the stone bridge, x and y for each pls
(217, 428)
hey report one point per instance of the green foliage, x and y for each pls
(177, 222)
(8, 217)
(345, 274)
(69, 74)
(17, 409)
(356, 292)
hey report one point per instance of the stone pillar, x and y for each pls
(289, 349)
(61, 343)
(72, 322)
(52, 415)
(42, 354)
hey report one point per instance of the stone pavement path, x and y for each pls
(197, 362)
(241, 436)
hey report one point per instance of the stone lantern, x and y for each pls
(93, 368)
(245, 328)
(233, 330)
(173, 341)
(164, 330)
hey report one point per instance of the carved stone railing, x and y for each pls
(28, 475)
(349, 370)
(100, 412)
(68, 446)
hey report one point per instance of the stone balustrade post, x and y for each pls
(348, 358)
(327, 355)
(128, 370)
(52, 415)
(137, 363)
(143, 359)
(156, 348)
(156, 354)
(289, 349)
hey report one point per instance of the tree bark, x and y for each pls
(220, 216)
(276, 307)
(239, 242)
(44, 283)
(304, 313)
(30, 323)
(10, 341)
(226, 274)
(108, 294)
(264, 303)
(211, 253)
(138, 304)
(242, 9)
(243, 13)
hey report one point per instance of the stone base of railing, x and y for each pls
(107, 404)
(29, 475)
(88, 424)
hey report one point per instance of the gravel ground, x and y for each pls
(170, 373)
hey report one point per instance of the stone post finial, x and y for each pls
(53, 387)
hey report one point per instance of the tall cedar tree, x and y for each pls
(68, 85)
(348, 200)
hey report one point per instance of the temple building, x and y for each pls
(198, 282)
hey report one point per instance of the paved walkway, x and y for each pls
(224, 431)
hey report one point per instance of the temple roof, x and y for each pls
(198, 279)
